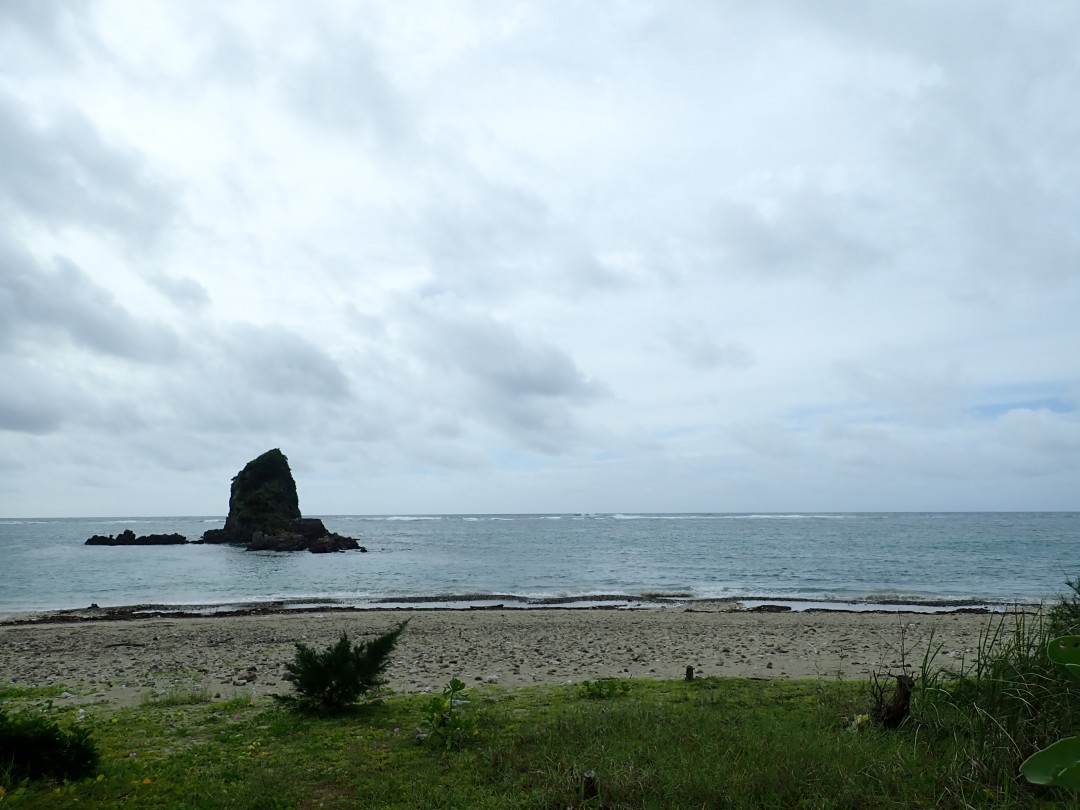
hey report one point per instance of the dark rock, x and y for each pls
(283, 541)
(311, 528)
(294, 541)
(264, 513)
(262, 499)
(214, 536)
(161, 540)
(323, 545)
(333, 542)
(771, 609)
(128, 538)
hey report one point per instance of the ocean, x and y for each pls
(922, 559)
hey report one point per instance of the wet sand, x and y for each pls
(127, 661)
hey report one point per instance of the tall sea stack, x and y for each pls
(262, 499)
(264, 512)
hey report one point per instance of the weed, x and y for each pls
(181, 697)
(447, 721)
(603, 689)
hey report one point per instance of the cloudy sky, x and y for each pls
(540, 256)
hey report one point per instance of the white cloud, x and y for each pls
(540, 256)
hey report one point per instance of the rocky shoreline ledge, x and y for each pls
(493, 602)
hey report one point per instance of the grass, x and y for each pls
(1010, 702)
(180, 697)
(709, 743)
(713, 742)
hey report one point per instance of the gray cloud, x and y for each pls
(23, 408)
(62, 172)
(37, 302)
(41, 398)
(528, 388)
(275, 360)
(185, 293)
(1038, 441)
(808, 233)
(985, 165)
(697, 347)
(339, 83)
(40, 23)
(494, 239)
(923, 394)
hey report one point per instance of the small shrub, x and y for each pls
(333, 681)
(603, 690)
(447, 722)
(32, 746)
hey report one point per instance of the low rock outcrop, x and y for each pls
(128, 538)
(294, 541)
(264, 512)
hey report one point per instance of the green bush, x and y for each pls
(333, 681)
(33, 747)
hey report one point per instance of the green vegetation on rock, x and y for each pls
(263, 497)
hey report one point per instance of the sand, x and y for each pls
(125, 662)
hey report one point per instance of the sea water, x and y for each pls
(526, 560)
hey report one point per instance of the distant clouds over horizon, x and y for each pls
(540, 256)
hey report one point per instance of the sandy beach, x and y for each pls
(128, 661)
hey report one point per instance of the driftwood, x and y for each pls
(892, 714)
(590, 788)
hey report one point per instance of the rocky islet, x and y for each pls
(264, 515)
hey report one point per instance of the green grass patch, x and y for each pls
(14, 693)
(181, 697)
(708, 743)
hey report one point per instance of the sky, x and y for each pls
(540, 256)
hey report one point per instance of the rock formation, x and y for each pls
(262, 499)
(264, 512)
(128, 538)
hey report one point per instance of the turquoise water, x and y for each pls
(986, 558)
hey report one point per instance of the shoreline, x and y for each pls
(129, 659)
(474, 602)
